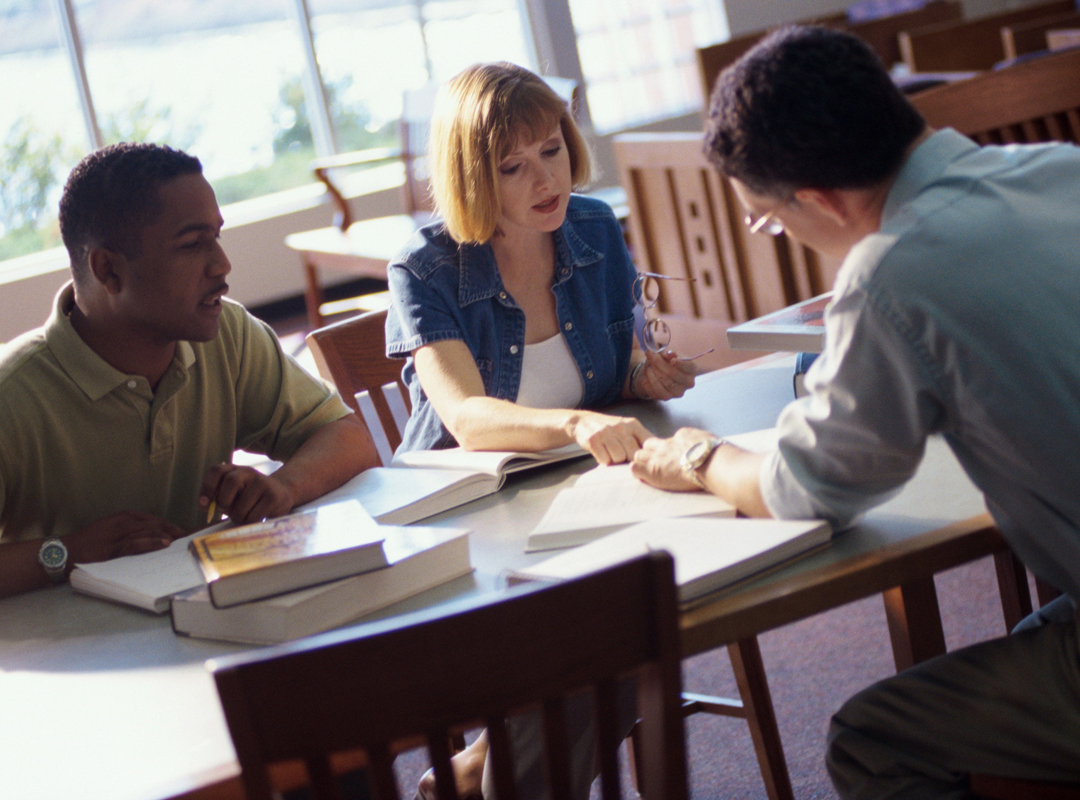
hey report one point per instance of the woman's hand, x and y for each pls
(664, 376)
(610, 440)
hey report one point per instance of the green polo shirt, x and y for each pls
(80, 440)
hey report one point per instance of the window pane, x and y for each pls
(638, 56)
(218, 79)
(371, 52)
(41, 129)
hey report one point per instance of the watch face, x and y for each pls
(54, 555)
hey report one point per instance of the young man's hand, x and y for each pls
(245, 494)
(125, 533)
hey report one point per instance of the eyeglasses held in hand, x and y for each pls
(656, 335)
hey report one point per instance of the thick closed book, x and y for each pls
(605, 499)
(797, 329)
(250, 562)
(709, 553)
(420, 558)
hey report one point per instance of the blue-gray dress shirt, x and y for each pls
(961, 316)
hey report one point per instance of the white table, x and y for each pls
(103, 701)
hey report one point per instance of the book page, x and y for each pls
(489, 462)
(161, 573)
(607, 496)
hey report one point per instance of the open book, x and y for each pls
(709, 553)
(798, 329)
(423, 483)
(420, 558)
(605, 499)
(146, 581)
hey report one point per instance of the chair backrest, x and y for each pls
(685, 221)
(1030, 37)
(487, 659)
(352, 355)
(1033, 101)
(967, 44)
(882, 34)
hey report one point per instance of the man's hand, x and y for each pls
(245, 494)
(658, 462)
(126, 533)
(610, 440)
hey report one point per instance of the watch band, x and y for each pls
(697, 456)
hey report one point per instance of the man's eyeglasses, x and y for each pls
(655, 335)
(767, 222)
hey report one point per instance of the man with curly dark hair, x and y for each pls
(954, 313)
(119, 417)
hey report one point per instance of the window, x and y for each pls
(41, 132)
(638, 56)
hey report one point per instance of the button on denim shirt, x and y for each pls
(442, 290)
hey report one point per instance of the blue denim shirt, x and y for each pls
(442, 290)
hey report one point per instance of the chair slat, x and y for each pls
(501, 759)
(605, 711)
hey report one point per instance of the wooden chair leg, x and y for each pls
(313, 295)
(1013, 586)
(914, 622)
(757, 702)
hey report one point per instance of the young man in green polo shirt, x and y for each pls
(119, 417)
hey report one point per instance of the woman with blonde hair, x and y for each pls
(516, 310)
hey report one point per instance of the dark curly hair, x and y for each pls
(112, 194)
(808, 107)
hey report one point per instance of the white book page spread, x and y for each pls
(161, 573)
(490, 462)
(606, 496)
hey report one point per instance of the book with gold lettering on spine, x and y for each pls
(250, 562)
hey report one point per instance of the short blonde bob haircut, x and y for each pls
(480, 115)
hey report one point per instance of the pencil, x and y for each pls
(210, 511)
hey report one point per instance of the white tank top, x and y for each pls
(550, 377)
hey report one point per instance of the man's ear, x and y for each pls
(833, 203)
(107, 268)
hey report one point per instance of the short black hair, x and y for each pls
(112, 194)
(809, 107)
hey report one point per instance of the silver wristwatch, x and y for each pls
(53, 556)
(697, 456)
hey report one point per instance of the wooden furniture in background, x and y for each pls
(1034, 101)
(364, 248)
(1030, 37)
(339, 692)
(686, 222)
(352, 356)
(881, 34)
(1063, 38)
(968, 44)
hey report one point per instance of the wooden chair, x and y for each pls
(365, 247)
(881, 34)
(685, 221)
(341, 692)
(1034, 101)
(1030, 37)
(967, 44)
(352, 356)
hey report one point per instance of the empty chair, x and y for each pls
(352, 356)
(472, 665)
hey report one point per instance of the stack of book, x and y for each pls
(287, 577)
